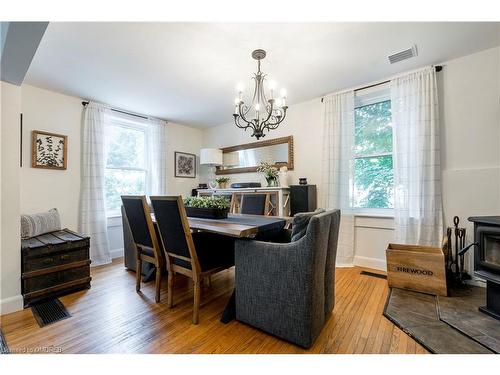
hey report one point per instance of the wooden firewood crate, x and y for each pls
(417, 268)
(54, 264)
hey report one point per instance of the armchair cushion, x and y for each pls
(300, 223)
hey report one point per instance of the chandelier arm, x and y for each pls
(246, 109)
(274, 125)
(269, 114)
(237, 123)
(241, 113)
(262, 91)
(255, 89)
(249, 124)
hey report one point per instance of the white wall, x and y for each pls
(42, 189)
(10, 233)
(470, 142)
(184, 139)
(469, 100)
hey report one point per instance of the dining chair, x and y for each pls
(195, 255)
(148, 247)
(254, 203)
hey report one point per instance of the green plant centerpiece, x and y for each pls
(222, 182)
(207, 207)
(270, 173)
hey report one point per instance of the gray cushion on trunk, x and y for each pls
(37, 224)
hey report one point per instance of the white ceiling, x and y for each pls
(187, 72)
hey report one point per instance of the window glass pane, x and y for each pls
(122, 182)
(373, 182)
(373, 129)
(124, 147)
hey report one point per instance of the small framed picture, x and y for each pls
(185, 165)
(49, 150)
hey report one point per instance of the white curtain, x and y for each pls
(338, 134)
(92, 220)
(417, 172)
(157, 176)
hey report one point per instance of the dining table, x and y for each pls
(238, 226)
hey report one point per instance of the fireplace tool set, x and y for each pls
(455, 251)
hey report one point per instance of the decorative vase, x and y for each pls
(272, 181)
(222, 185)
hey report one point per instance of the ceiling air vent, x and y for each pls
(403, 55)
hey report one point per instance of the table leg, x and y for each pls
(229, 312)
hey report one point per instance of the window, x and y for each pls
(372, 164)
(126, 162)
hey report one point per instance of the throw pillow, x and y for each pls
(37, 224)
(300, 223)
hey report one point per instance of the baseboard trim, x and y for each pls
(344, 265)
(116, 253)
(377, 264)
(11, 304)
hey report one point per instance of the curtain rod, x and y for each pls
(84, 103)
(438, 68)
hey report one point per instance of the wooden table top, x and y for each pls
(237, 225)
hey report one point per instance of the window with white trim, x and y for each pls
(372, 152)
(126, 162)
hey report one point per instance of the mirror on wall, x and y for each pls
(247, 157)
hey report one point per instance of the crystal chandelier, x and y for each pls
(262, 114)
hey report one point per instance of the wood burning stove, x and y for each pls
(487, 260)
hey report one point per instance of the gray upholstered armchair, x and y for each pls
(287, 289)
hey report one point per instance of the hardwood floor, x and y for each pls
(112, 318)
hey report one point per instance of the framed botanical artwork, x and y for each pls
(185, 165)
(49, 150)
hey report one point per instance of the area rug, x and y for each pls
(431, 321)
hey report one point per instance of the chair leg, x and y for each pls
(170, 290)
(196, 304)
(158, 283)
(138, 271)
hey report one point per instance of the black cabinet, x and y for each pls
(302, 198)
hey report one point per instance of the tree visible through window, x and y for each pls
(373, 171)
(126, 164)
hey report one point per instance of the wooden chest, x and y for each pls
(418, 268)
(54, 264)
